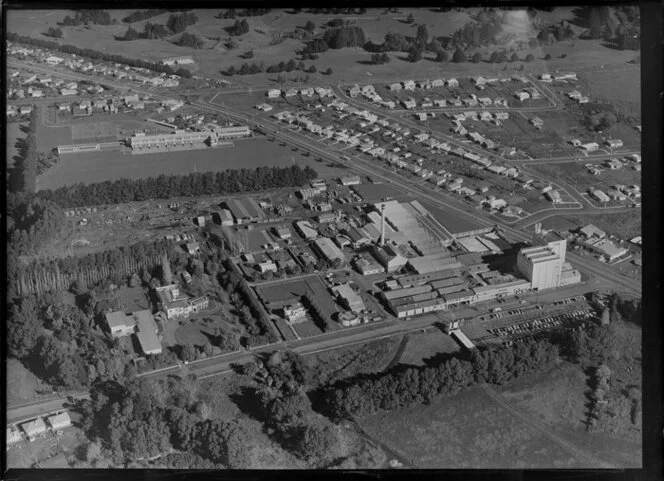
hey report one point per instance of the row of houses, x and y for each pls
(37, 427)
(322, 92)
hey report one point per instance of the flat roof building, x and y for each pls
(59, 421)
(349, 298)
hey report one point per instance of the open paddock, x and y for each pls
(466, 431)
(94, 132)
(113, 165)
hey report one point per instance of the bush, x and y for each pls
(530, 57)
(459, 56)
(328, 71)
(54, 32)
(442, 56)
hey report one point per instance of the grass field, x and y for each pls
(22, 385)
(467, 431)
(101, 166)
(558, 400)
(624, 225)
(328, 366)
(452, 222)
(425, 345)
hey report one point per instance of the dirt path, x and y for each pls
(392, 454)
(397, 356)
(591, 460)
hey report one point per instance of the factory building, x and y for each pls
(542, 264)
(244, 210)
(141, 142)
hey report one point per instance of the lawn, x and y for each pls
(101, 166)
(466, 431)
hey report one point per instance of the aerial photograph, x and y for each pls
(324, 238)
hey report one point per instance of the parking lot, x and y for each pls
(523, 329)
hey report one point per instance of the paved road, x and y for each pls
(590, 461)
(26, 411)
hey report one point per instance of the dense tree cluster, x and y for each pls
(189, 40)
(287, 409)
(139, 15)
(231, 13)
(31, 223)
(594, 344)
(167, 186)
(177, 23)
(240, 27)
(337, 11)
(380, 58)
(249, 311)
(344, 36)
(81, 17)
(485, 31)
(54, 32)
(254, 68)
(408, 386)
(89, 53)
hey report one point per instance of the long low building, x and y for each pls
(75, 149)
(436, 262)
(178, 138)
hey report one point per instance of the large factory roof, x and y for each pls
(246, 208)
(436, 262)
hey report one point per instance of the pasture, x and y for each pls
(466, 431)
(96, 167)
(94, 132)
(624, 225)
(267, 37)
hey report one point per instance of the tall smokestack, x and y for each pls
(382, 225)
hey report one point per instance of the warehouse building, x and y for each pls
(34, 428)
(349, 298)
(435, 262)
(328, 250)
(244, 210)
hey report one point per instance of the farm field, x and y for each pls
(466, 431)
(247, 153)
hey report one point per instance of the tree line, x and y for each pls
(139, 15)
(193, 184)
(23, 175)
(400, 387)
(256, 68)
(89, 53)
(84, 17)
(231, 13)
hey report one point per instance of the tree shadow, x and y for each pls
(247, 402)
(612, 44)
